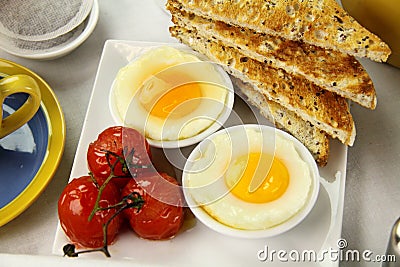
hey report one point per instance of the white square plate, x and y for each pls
(200, 246)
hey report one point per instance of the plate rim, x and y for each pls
(55, 148)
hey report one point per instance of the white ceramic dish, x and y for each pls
(198, 245)
(268, 133)
(218, 121)
(66, 48)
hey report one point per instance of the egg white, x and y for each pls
(207, 187)
(149, 71)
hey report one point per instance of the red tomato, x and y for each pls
(75, 205)
(162, 213)
(123, 142)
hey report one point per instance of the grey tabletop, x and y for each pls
(372, 197)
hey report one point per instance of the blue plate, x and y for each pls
(19, 165)
(29, 156)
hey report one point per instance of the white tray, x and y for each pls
(200, 246)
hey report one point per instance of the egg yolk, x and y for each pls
(178, 102)
(272, 183)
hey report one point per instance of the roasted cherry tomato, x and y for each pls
(75, 206)
(125, 147)
(162, 213)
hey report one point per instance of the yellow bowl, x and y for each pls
(380, 17)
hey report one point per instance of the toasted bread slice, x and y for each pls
(326, 110)
(322, 23)
(316, 141)
(332, 70)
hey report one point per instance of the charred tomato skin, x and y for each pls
(162, 214)
(75, 204)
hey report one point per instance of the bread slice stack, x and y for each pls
(293, 59)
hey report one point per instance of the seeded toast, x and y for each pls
(332, 70)
(316, 141)
(318, 22)
(326, 110)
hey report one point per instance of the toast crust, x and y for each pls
(318, 22)
(332, 70)
(316, 141)
(326, 110)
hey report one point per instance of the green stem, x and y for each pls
(111, 176)
(101, 188)
(133, 200)
(96, 204)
